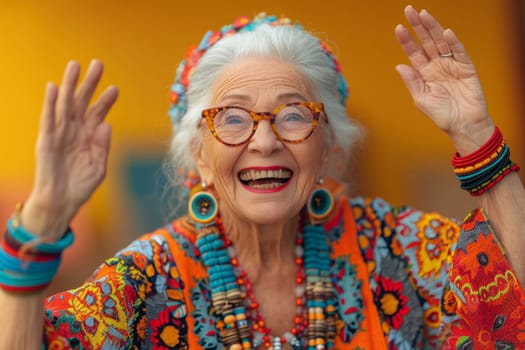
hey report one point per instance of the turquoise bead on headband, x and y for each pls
(179, 89)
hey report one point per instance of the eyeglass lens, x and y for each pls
(234, 125)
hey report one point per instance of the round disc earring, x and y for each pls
(202, 207)
(320, 204)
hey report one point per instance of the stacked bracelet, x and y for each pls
(481, 170)
(27, 263)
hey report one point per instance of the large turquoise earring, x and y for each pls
(320, 204)
(202, 206)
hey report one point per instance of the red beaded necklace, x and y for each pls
(261, 333)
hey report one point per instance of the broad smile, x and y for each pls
(270, 179)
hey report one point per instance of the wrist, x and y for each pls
(42, 220)
(470, 139)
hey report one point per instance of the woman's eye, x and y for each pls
(233, 119)
(293, 117)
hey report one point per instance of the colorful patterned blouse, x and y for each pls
(404, 279)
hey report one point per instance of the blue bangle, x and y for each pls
(25, 280)
(15, 264)
(23, 236)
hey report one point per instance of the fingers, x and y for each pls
(98, 111)
(73, 102)
(427, 41)
(47, 118)
(101, 142)
(414, 52)
(436, 32)
(456, 47)
(87, 88)
(412, 80)
(64, 105)
(430, 34)
(69, 102)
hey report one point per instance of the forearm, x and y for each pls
(21, 320)
(27, 266)
(504, 205)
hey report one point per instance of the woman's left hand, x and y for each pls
(443, 81)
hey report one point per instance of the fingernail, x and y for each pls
(50, 87)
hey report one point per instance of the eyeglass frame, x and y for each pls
(315, 107)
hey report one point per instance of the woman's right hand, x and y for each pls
(71, 151)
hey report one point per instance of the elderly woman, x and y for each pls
(272, 253)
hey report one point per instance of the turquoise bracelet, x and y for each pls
(25, 280)
(15, 264)
(23, 236)
(20, 275)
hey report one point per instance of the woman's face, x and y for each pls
(264, 181)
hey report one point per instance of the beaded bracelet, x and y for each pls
(485, 173)
(487, 186)
(481, 154)
(486, 161)
(28, 263)
(480, 171)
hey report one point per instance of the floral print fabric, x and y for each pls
(404, 279)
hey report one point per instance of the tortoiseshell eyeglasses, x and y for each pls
(291, 122)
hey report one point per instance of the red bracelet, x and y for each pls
(31, 289)
(481, 154)
(481, 164)
(481, 170)
(13, 250)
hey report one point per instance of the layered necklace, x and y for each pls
(239, 322)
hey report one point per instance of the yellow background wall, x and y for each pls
(405, 158)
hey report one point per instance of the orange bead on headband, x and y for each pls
(179, 89)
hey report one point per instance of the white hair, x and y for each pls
(290, 44)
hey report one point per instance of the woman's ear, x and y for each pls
(201, 158)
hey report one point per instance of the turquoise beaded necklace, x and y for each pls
(229, 299)
(261, 333)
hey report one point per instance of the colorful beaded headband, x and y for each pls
(179, 89)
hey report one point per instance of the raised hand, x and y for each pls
(443, 81)
(71, 150)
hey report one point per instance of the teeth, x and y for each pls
(266, 186)
(250, 175)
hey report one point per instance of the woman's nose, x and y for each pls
(265, 140)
